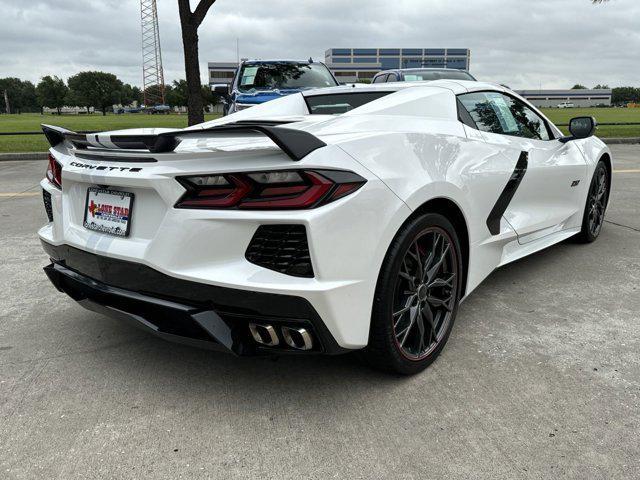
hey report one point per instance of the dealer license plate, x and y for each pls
(108, 211)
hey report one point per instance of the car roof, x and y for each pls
(423, 69)
(305, 62)
(446, 72)
(457, 86)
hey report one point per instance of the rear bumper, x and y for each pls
(178, 310)
(347, 239)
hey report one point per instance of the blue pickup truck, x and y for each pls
(258, 81)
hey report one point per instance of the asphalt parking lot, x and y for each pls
(540, 379)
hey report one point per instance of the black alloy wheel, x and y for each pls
(597, 200)
(417, 296)
(425, 293)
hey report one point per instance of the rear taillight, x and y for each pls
(275, 190)
(54, 172)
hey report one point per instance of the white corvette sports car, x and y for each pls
(327, 221)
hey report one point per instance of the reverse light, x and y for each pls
(276, 177)
(54, 172)
(273, 190)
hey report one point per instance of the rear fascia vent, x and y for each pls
(283, 248)
(46, 198)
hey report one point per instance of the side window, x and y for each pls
(392, 77)
(380, 79)
(535, 124)
(497, 113)
(531, 125)
(483, 113)
(464, 116)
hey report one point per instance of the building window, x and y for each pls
(216, 74)
(390, 63)
(390, 51)
(457, 51)
(341, 51)
(435, 51)
(412, 51)
(366, 74)
(345, 74)
(457, 63)
(365, 51)
(341, 60)
(365, 60)
(434, 63)
(411, 62)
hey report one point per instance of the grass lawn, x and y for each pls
(30, 122)
(561, 116)
(602, 115)
(37, 143)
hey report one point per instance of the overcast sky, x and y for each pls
(523, 43)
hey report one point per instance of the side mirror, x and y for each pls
(221, 89)
(581, 127)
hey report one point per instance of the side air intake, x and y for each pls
(283, 248)
(46, 198)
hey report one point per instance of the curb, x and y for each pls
(621, 141)
(30, 156)
(11, 157)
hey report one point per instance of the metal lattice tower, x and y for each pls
(153, 74)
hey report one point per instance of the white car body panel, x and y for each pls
(409, 146)
(543, 200)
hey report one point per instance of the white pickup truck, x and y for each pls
(565, 105)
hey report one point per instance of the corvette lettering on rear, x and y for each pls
(104, 168)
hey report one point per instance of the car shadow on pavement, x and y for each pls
(139, 357)
(163, 373)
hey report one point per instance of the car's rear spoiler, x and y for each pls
(297, 144)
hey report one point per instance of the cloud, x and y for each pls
(552, 43)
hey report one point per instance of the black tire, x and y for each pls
(398, 336)
(596, 204)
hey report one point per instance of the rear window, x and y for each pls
(418, 76)
(284, 75)
(335, 104)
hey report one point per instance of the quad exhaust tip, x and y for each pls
(296, 338)
(264, 335)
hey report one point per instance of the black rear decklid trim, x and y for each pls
(97, 156)
(297, 144)
(123, 142)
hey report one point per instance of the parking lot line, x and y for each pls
(627, 171)
(20, 194)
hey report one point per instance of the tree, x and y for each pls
(52, 92)
(130, 94)
(624, 95)
(96, 89)
(190, 22)
(577, 86)
(177, 94)
(208, 97)
(601, 87)
(71, 99)
(155, 92)
(21, 95)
